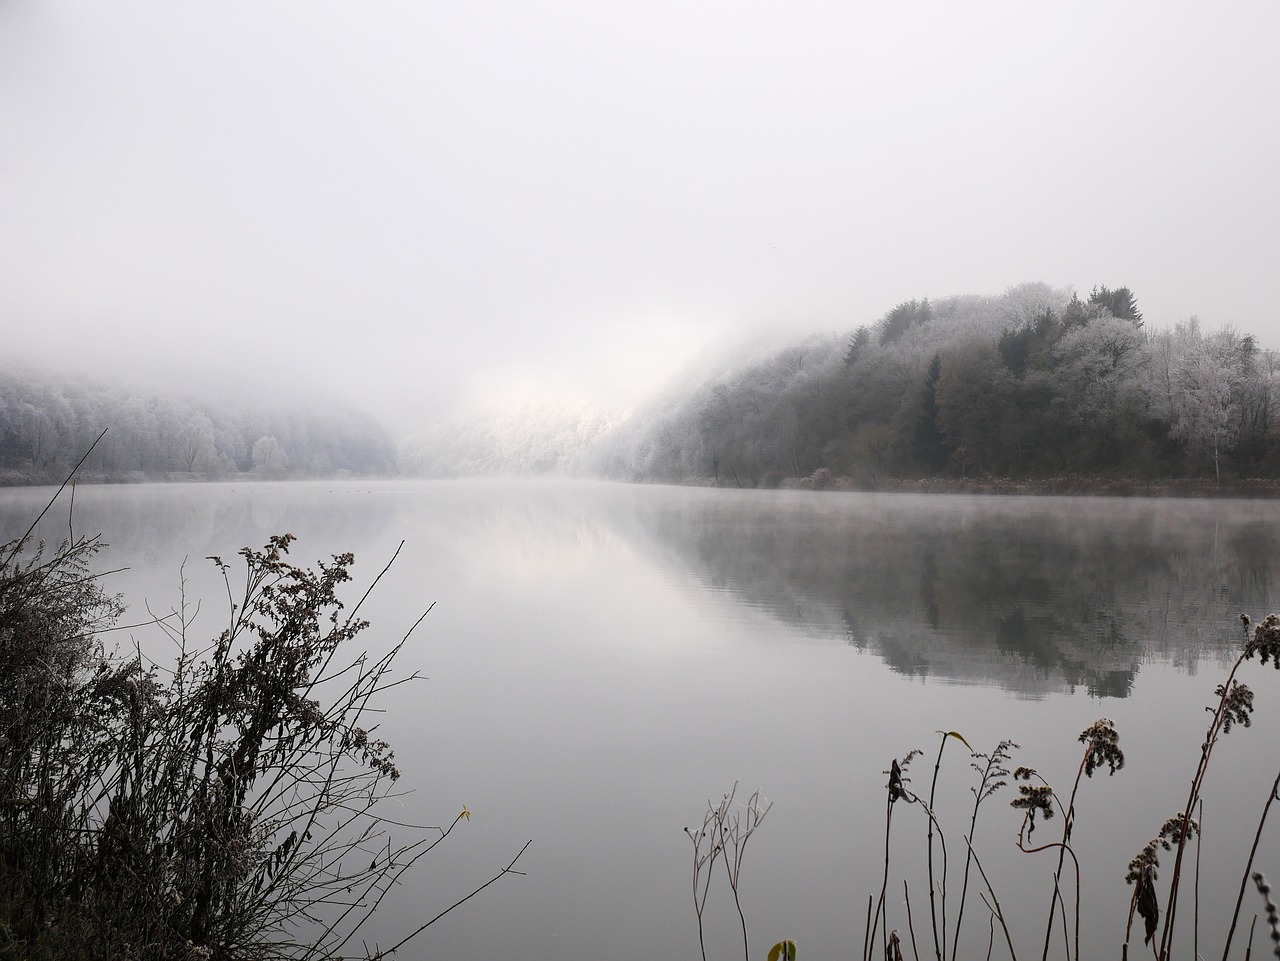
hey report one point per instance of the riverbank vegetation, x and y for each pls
(946, 882)
(224, 803)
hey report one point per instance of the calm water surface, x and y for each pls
(602, 659)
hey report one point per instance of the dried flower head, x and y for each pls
(1143, 869)
(1171, 830)
(1145, 863)
(1034, 798)
(376, 753)
(1266, 641)
(1142, 872)
(1237, 705)
(1103, 747)
(1148, 860)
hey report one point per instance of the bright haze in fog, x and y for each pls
(426, 203)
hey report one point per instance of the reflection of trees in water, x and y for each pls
(1032, 594)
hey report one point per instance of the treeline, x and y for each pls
(48, 421)
(1036, 382)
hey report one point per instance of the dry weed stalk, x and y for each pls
(1233, 707)
(726, 829)
(1102, 747)
(1037, 801)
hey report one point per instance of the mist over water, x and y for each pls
(602, 659)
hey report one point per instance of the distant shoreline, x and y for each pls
(1063, 486)
(1257, 488)
(12, 478)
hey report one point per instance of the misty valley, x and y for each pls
(586, 481)
(602, 659)
(787, 599)
(1034, 387)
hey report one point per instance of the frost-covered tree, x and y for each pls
(49, 419)
(269, 458)
(1208, 379)
(1258, 399)
(1097, 381)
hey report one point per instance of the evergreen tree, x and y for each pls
(857, 344)
(908, 314)
(1030, 344)
(927, 445)
(1119, 303)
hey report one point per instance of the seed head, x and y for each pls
(1237, 705)
(1032, 798)
(1103, 747)
(1266, 641)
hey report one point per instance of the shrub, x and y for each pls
(821, 479)
(225, 808)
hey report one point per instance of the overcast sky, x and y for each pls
(424, 201)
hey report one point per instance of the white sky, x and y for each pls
(426, 200)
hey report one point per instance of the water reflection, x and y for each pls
(1031, 594)
(603, 658)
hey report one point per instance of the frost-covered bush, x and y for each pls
(225, 806)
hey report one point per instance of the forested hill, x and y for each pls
(213, 430)
(1032, 383)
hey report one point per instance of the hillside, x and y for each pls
(213, 429)
(1031, 383)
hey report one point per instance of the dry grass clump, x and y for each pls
(225, 806)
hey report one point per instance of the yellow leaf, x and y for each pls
(959, 737)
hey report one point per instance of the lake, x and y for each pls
(602, 659)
